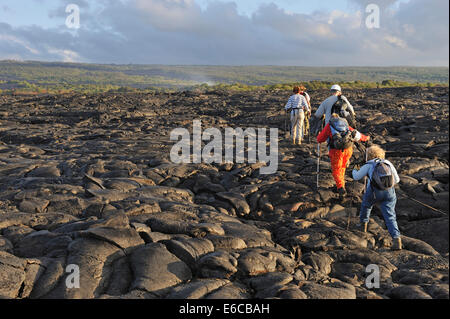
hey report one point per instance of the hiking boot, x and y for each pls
(342, 193)
(362, 227)
(397, 244)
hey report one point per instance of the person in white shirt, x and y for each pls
(297, 105)
(305, 94)
(386, 198)
(308, 113)
(325, 107)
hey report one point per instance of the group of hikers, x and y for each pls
(335, 122)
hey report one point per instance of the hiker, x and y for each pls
(306, 95)
(380, 189)
(308, 113)
(326, 107)
(297, 105)
(340, 137)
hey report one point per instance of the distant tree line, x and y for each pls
(41, 77)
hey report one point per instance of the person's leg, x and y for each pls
(293, 123)
(298, 128)
(346, 155)
(336, 164)
(301, 121)
(387, 207)
(366, 205)
(349, 156)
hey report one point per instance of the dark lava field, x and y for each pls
(86, 181)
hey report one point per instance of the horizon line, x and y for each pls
(225, 65)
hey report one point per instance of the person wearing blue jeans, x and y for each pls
(386, 199)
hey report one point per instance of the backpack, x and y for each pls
(342, 137)
(340, 108)
(382, 176)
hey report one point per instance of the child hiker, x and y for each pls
(380, 189)
(340, 137)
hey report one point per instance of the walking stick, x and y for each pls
(348, 218)
(285, 123)
(318, 164)
(423, 204)
(365, 177)
(309, 135)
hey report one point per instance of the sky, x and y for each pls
(229, 32)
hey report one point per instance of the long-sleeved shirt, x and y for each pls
(367, 170)
(297, 101)
(326, 106)
(308, 98)
(327, 134)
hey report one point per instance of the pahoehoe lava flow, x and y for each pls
(87, 180)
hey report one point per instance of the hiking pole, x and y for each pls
(287, 123)
(318, 151)
(365, 177)
(318, 164)
(423, 204)
(309, 135)
(348, 218)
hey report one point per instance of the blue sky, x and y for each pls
(227, 32)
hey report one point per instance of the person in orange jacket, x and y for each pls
(340, 149)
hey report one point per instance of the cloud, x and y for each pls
(383, 4)
(182, 32)
(65, 55)
(14, 41)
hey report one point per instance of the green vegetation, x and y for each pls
(313, 85)
(41, 77)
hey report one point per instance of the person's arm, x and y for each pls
(363, 138)
(358, 136)
(320, 111)
(304, 103)
(364, 171)
(324, 135)
(308, 99)
(288, 104)
(308, 108)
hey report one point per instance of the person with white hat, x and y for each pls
(327, 105)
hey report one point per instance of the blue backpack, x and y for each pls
(341, 135)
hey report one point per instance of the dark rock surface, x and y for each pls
(87, 181)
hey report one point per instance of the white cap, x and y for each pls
(336, 88)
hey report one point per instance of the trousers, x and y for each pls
(339, 160)
(387, 200)
(297, 120)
